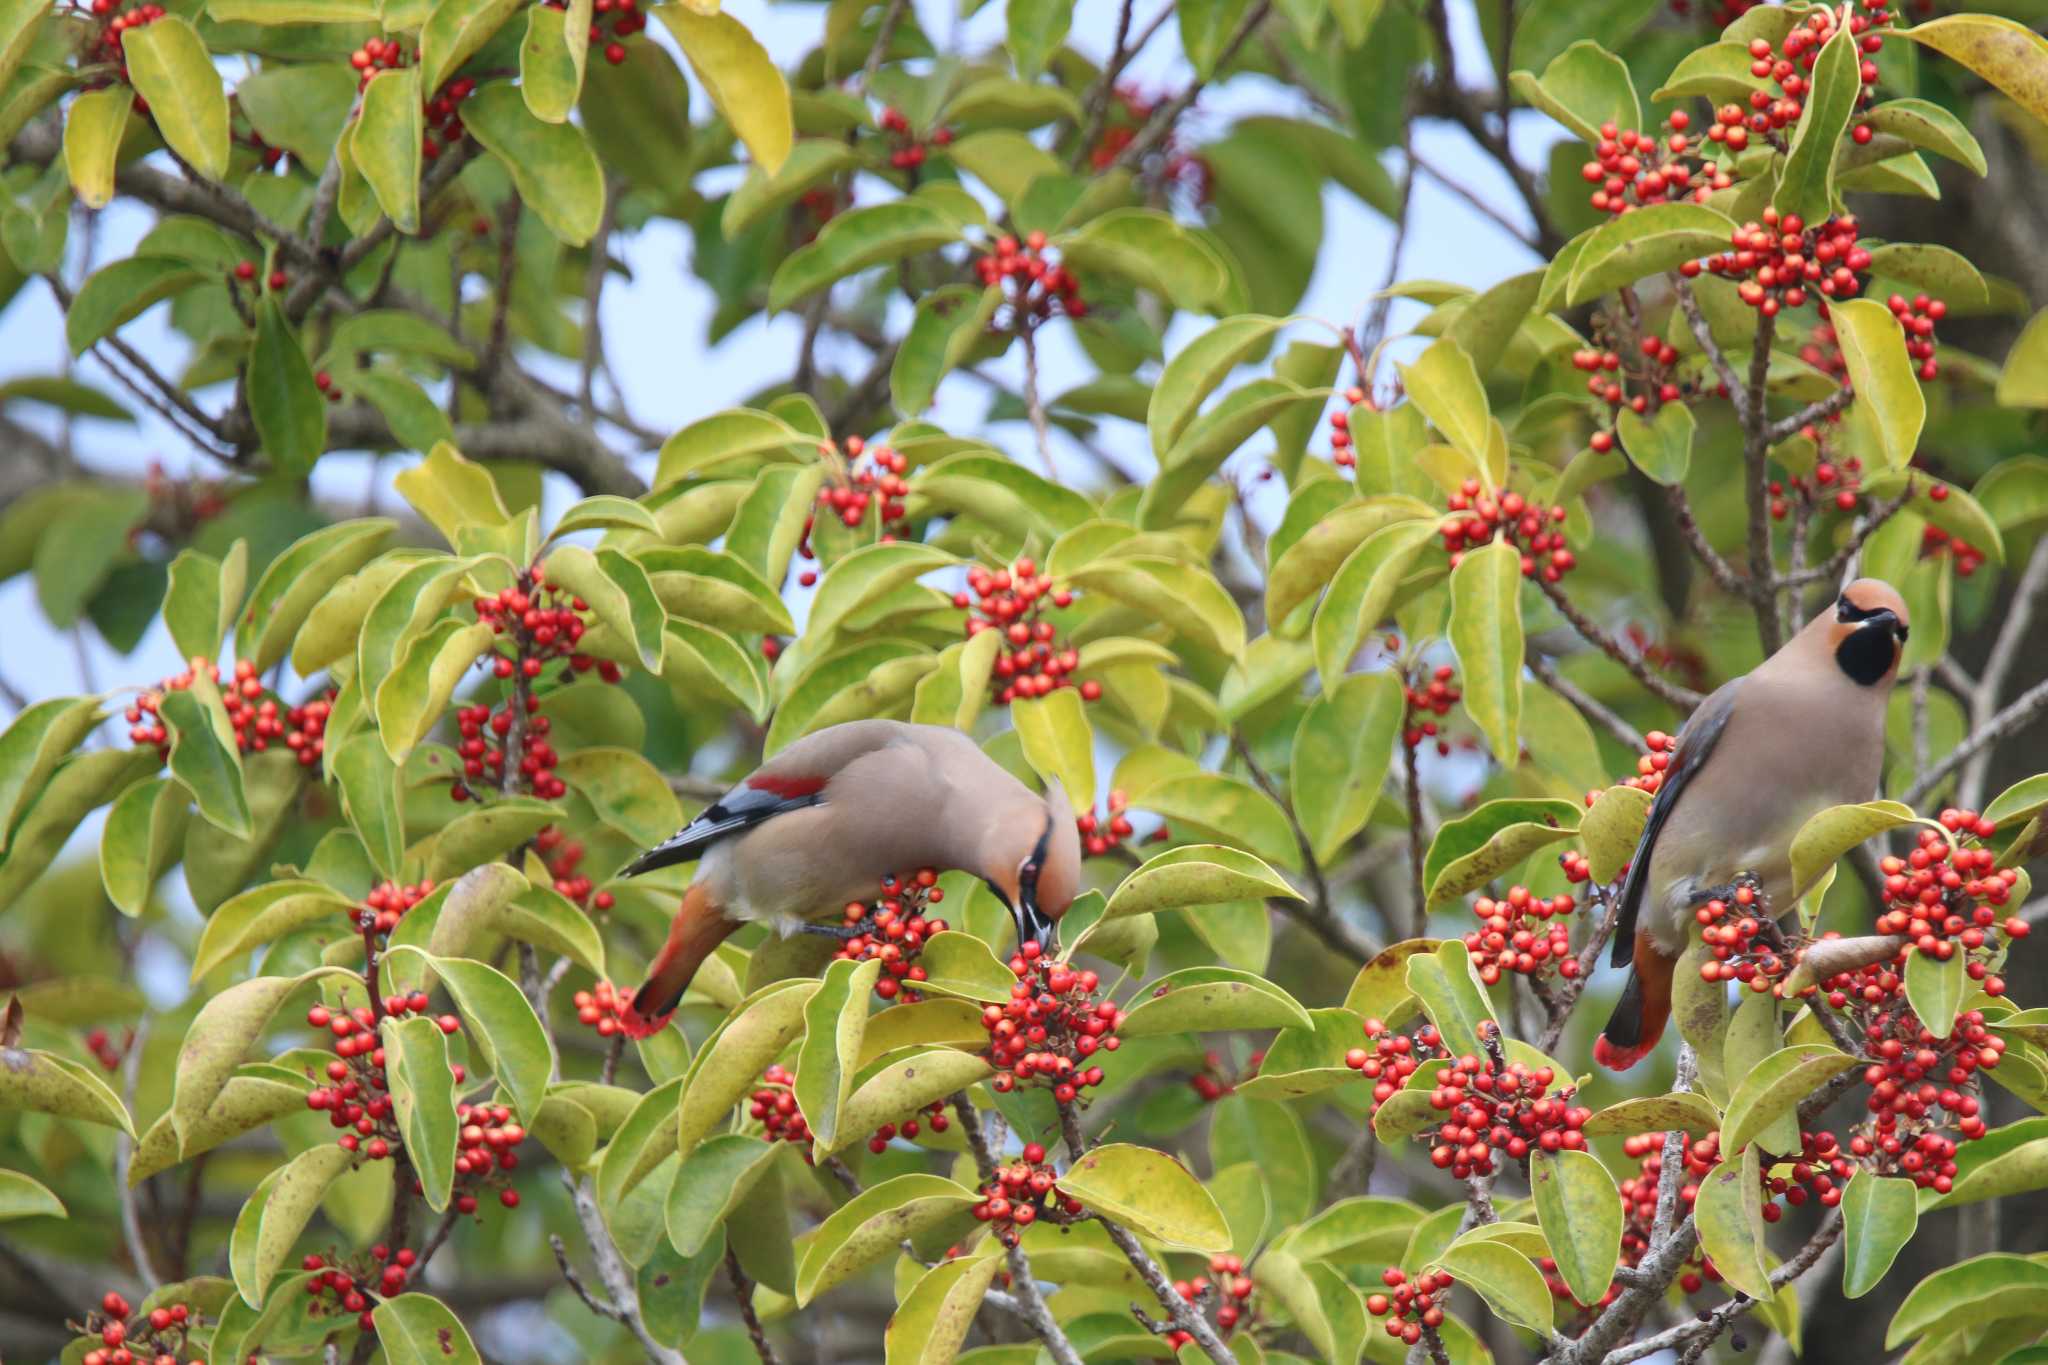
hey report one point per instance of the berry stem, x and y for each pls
(743, 1290)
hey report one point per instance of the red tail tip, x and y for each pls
(637, 1025)
(1618, 1058)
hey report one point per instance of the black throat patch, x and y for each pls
(1866, 655)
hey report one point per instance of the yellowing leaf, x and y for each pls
(170, 67)
(741, 79)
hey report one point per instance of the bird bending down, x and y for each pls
(1767, 751)
(822, 823)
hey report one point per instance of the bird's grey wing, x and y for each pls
(753, 801)
(1696, 740)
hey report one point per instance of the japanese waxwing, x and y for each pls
(1763, 754)
(821, 823)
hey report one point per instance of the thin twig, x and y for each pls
(124, 1152)
(1818, 411)
(1465, 192)
(2005, 650)
(1689, 527)
(1585, 702)
(594, 277)
(743, 1290)
(1689, 304)
(1756, 476)
(1411, 791)
(1684, 698)
(2022, 712)
(885, 34)
(1831, 569)
(1033, 404)
(1716, 1320)
(612, 1271)
(1161, 123)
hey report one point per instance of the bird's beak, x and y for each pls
(1033, 923)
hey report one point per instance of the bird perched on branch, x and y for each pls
(1762, 755)
(822, 822)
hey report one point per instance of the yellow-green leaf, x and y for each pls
(1509, 1282)
(1730, 1218)
(169, 66)
(1444, 383)
(1058, 742)
(552, 164)
(741, 79)
(1879, 1214)
(2008, 54)
(1580, 1210)
(1611, 829)
(93, 128)
(1837, 830)
(1486, 633)
(1775, 1086)
(1151, 1192)
(1874, 349)
(387, 142)
(273, 1217)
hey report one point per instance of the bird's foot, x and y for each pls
(837, 932)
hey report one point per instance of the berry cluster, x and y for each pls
(1631, 169)
(1414, 1307)
(893, 929)
(160, 1336)
(1921, 1087)
(1393, 1058)
(1639, 1194)
(1654, 379)
(1051, 1028)
(357, 1099)
(773, 1105)
(542, 622)
(1230, 1283)
(324, 382)
(564, 855)
(1491, 1106)
(1917, 317)
(1946, 894)
(866, 476)
(906, 152)
(386, 905)
(1021, 1193)
(104, 1051)
(114, 33)
(1839, 483)
(374, 57)
(258, 721)
(1178, 166)
(1784, 262)
(245, 273)
(611, 23)
(484, 1147)
(934, 1118)
(1537, 532)
(1014, 600)
(349, 1283)
(1342, 453)
(1651, 767)
(600, 1008)
(1426, 699)
(1506, 940)
(1744, 940)
(1100, 834)
(1215, 1080)
(1934, 541)
(1034, 286)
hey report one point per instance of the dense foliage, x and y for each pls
(1361, 689)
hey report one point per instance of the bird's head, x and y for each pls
(1033, 862)
(1866, 631)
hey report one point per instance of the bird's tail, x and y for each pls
(1638, 1020)
(699, 927)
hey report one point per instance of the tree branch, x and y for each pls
(2005, 650)
(2023, 711)
(1163, 118)
(1684, 698)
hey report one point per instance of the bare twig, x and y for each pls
(1756, 476)
(2023, 711)
(1161, 123)
(1411, 792)
(743, 1290)
(1684, 698)
(885, 34)
(1456, 185)
(1585, 702)
(1831, 568)
(1033, 403)
(124, 1153)
(1813, 412)
(1722, 571)
(1689, 304)
(1704, 1329)
(612, 1271)
(1983, 698)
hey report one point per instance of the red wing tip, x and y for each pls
(1617, 1058)
(790, 788)
(636, 1025)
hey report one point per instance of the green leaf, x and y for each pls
(866, 575)
(1214, 436)
(620, 595)
(1451, 995)
(1342, 749)
(1935, 989)
(909, 1082)
(1929, 127)
(1874, 349)
(1150, 250)
(960, 964)
(1611, 829)
(730, 1062)
(124, 289)
(373, 798)
(811, 161)
(853, 241)
(263, 914)
(412, 697)
(1444, 383)
(1944, 273)
(873, 1224)
(731, 435)
(32, 746)
(1058, 742)
(710, 1184)
(933, 1318)
(301, 107)
(1806, 181)
(1943, 504)
(1486, 633)
(93, 128)
(1661, 448)
(1195, 371)
(1037, 28)
(1300, 571)
(270, 1222)
(454, 32)
(1648, 241)
(1775, 1086)
(1729, 1215)
(834, 1019)
(553, 168)
(1186, 599)
(1547, 27)
(1329, 1312)
(1583, 87)
(143, 835)
(606, 510)
(298, 579)
(643, 1140)
(1380, 990)
(1495, 838)
(2008, 54)
(1196, 874)
(1226, 810)
(22, 1197)
(1719, 72)
(418, 1329)
(203, 597)
(1835, 831)
(1364, 592)
(169, 66)
(423, 1102)
(2021, 383)
(1210, 999)
(2019, 1169)
(1580, 1210)
(203, 757)
(49, 1084)
(1686, 1110)
(1151, 1192)
(1509, 1282)
(951, 321)
(453, 493)
(1972, 1291)
(386, 140)
(741, 79)
(502, 1022)
(284, 398)
(628, 793)
(20, 24)
(1879, 1214)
